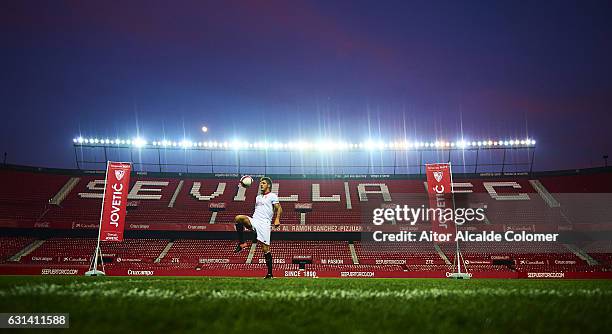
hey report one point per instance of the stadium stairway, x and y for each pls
(581, 254)
(164, 252)
(26, 250)
(353, 253)
(442, 255)
(544, 193)
(175, 195)
(213, 217)
(64, 191)
(249, 259)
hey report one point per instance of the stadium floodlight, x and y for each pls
(236, 145)
(320, 145)
(139, 142)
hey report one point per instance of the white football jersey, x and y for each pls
(264, 207)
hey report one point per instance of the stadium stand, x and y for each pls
(195, 252)
(52, 202)
(9, 246)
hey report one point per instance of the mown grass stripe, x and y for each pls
(104, 289)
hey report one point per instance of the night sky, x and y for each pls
(286, 69)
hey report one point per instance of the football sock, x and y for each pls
(240, 230)
(268, 257)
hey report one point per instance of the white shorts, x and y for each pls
(263, 229)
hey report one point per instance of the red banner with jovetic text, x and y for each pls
(439, 189)
(114, 203)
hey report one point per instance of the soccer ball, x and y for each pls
(246, 181)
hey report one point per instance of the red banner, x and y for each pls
(115, 201)
(439, 188)
(439, 178)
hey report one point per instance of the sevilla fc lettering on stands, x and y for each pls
(115, 201)
(154, 190)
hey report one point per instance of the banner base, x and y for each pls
(459, 276)
(95, 272)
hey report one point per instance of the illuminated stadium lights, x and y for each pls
(322, 145)
(139, 142)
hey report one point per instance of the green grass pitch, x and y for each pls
(249, 305)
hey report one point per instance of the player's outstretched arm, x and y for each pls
(279, 211)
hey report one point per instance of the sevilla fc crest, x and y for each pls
(119, 174)
(437, 176)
